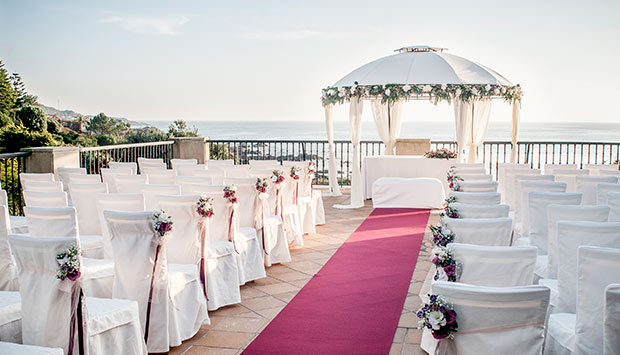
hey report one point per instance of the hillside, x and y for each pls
(72, 115)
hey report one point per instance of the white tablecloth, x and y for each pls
(391, 192)
(405, 166)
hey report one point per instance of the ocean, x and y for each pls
(437, 130)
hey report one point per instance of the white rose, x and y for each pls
(436, 319)
(340, 94)
(387, 92)
(330, 92)
(427, 88)
(496, 91)
(474, 91)
(274, 178)
(406, 88)
(487, 87)
(443, 86)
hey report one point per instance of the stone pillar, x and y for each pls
(48, 159)
(410, 146)
(191, 148)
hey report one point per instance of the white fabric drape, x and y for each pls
(355, 127)
(334, 188)
(388, 123)
(471, 126)
(516, 118)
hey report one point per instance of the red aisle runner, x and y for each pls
(353, 304)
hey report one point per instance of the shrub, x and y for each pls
(106, 139)
(86, 141)
(33, 118)
(13, 138)
(53, 126)
(148, 134)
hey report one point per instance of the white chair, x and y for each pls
(176, 163)
(62, 174)
(595, 169)
(510, 187)
(186, 181)
(179, 307)
(466, 210)
(516, 188)
(127, 184)
(124, 165)
(501, 174)
(84, 179)
(613, 201)
(495, 266)
(493, 320)
(611, 332)
(582, 332)
(8, 269)
(49, 186)
(479, 198)
(219, 163)
(469, 165)
(289, 212)
(107, 175)
(481, 231)
(261, 163)
(557, 213)
(475, 177)
(602, 190)
(522, 201)
(62, 222)
(84, 196)
(115, 202)
(537, 215)
(569, 176)
(110, 326)
(478, 186)
(11, 313)
(144, 163)
(572, 235)
(20, 349)
(160, 177)
(615, 172)
(17, 224)
(150, 193)
(45, 198)
(189, 170)
(26, 178)
(236, 171)
(550, 168)
(587, 186)
(469, 171)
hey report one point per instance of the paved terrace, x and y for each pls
(234, 327)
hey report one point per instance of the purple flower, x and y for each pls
(449, 270)
(433, 298)
(450, 316)
(74, 275)
(435, 260)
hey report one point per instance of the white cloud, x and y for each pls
(297, 35)
(148, 25)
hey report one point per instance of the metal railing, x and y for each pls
(95, 158)
(491, 153)
(11, 164)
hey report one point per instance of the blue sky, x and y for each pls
(268, 60)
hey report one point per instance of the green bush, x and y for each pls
(148, 134)
(33, 118)
(13, 138)
(86, 141)
(106, 139)
(53, 126)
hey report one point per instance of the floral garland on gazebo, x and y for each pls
(445, 92)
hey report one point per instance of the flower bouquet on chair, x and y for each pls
(447, 268)
(439, 317)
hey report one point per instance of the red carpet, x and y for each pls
(353, 304)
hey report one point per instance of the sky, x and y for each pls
(269, 60)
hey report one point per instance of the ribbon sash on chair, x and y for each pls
(150, 301)
(279, 203)
(231, 225)
(76, 319)
(259, 222)
(202, 226)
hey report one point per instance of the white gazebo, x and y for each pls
(417, 73)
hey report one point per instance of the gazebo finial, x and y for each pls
(419, 49)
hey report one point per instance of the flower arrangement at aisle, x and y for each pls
(442, 153)
(69, 264)
(454, 185)
(439, 317)
(162, 223)
(294, 172)
(390, 93)
(230, 193)
(450, 212)
(442, 236)
(261, 185)
(277, 177)
(204, 206)
(311, 169)
(447, 267)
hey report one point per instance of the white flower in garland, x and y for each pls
(457, 93)
(387, 92)
(444, 87)
(427, 88)
(406, 88)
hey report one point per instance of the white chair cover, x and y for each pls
(8, 269)
(557, 213)
(501, 174)
(478, 186)
(569, 176)
(478, 198)
(127, 184)
(238, 171)
(83, 197)
(50, 186)
(510, 187)
(25, 178)
(613, 201)
(107, 177)
(178, 306)
(45, 198)
(144, 163)
(219, 163)
(186, 182)
(537, 217)
(469, 165)
(595, 169)
(10, 314)
(160, 176)
(17, 224)
(602, 190)
(522, 204)
(615, 172)
(495, 266)
(111, 326)
(261, 163)
(176, 163)
(493, 320)
(469, 171)
(582, 333)
(150, 193)
(115, 202)
(481, 231)
(572, 235)
(189, 170)
(133, 166)
(63, 174)
(84, 179)
(475, 177)
(611, 333)
(587, 186)
(290, 212)
(467, 210)
(20, 349)
(201, 189)
(518, 179)
(549, 168)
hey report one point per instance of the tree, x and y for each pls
(23, 98)
(147, 134)
(104, 125)
(53, 126)
(13, 138)
(179, 128)
(8, 97)
(33, 118)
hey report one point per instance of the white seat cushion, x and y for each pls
(107, 313)
(219, 248)
(182, 274)
(561, 333)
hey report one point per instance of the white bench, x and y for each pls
(395, 192)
